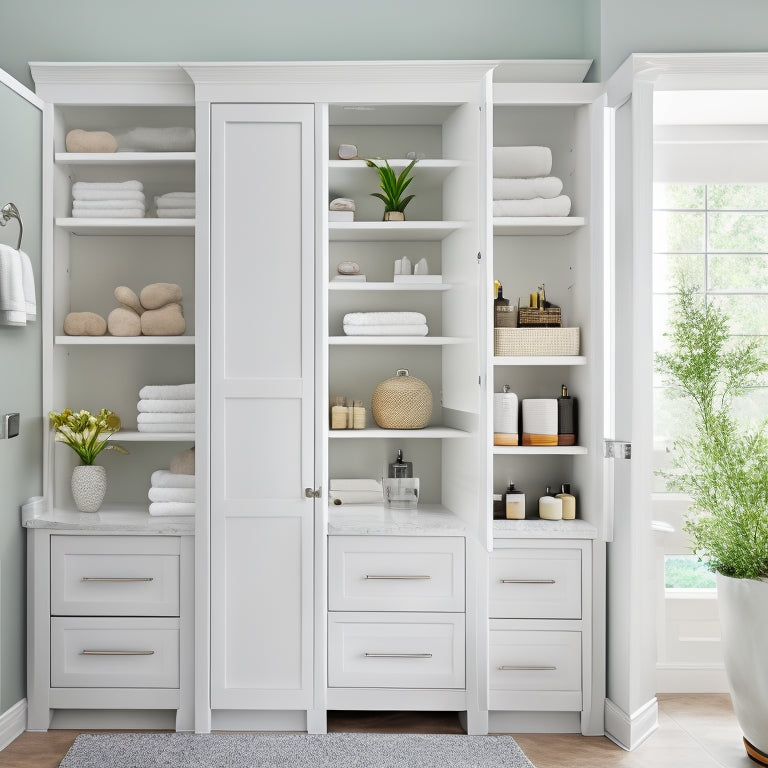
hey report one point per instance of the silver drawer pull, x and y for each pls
(414, 577)
(117, 653)
(397, 655)
(527, 669)
(528, 581)
(119, 579)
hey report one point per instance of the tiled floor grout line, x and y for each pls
(696, 739)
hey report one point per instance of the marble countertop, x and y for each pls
(370, 519)
(111, 519)
(536, 528)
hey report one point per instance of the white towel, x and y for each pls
(85, 186)
(171, 508)
(28, 283)
(166, 426)
(84, 195)
(525, 189)
(384, 318)
(171, 494)
(13, 305)
(167, 392)
(521, 162)
(100, 213)
(386, 330)
(175, 213)
(166, 418)
(175, 199)
(110, 202)
(171, 139)
(167, 405)
(164, 478)
(556, 206)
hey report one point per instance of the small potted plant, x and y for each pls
(393, 186)
(87, 436)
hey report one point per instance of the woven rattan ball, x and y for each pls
(402, 402)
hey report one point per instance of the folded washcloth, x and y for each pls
(28, 284)
(171, 494)
(112, 213)
(175, 199)
(111, 202)
(525, 189)
(386, 330)
(13, 305)
(164, 478)
(167, 392)
(175, 213)
(108, 194)
(166, 405)
(384, 318)
(538, 206)
(521, 162)
(86, 186)
(172, 508)
(165, 426)
(166, 418)
(171, 139)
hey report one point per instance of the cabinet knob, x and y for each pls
(312, 493)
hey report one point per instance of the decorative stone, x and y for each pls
(84, 324)
(342, 204)
(166, 321)
(79, 140)
(348, 268)
(128, 298)
(89, 486)
(158, 295)
(124, 322)
(347, 151)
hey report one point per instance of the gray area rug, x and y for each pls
(274, 750)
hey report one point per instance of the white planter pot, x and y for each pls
(89, 484)
(743, 607)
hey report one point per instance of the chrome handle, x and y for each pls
(415, 577)
(397, 655)
(528, 581)
(118, 579)
(527, 669)
(117, 653)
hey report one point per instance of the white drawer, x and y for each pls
(395, 650)
(535, 584)
(115, 575)
(114, 652)
(392, 573)
(535, 669)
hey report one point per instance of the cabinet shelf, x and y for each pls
(392, 231)
(539, 450)
(134, 436)
(377, 433)
(537, 225)
(540, 360)
(139, 341)
(351, 176)
(400, 341)
(124, 158)
(100, 227)
(342, 285)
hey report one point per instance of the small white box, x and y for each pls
(341, 215)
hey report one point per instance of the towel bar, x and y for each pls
(10, 211)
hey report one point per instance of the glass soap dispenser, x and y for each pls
(401, 488)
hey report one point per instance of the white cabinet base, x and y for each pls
(406, 699)
(534, 722)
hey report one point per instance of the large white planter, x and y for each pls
(89, 485)
(743, 607)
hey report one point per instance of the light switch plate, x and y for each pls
(9, 426)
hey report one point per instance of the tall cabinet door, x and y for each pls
(262, 405)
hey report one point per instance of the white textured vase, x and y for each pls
(743, 608)
(89, 484)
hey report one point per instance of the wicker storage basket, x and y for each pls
(535, 342)
(402, 402)
(539, 318)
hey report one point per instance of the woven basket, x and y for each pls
(402, 402)
(539, 318)
(535, 342)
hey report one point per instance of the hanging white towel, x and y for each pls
(171, 508)
(557, 206)
(148, 405)
(28, 283)
(525, 189)
(164, 478)
(167, 392)
(166, 418)
(386, 330)
(13, 306)
(171, 494)
(384, 318)
(521, 162)
(85, 186)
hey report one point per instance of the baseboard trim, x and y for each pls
(691, 678)
(13, 723)
(630, 731)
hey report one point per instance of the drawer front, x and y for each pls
(114, 576)
(395, 650)
(389, 573)
(114, 653)
(535, 584)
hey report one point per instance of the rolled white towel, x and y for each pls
(175, 213)
(108, 203)
(384, 318)
(100, 213)
(172, 508)
(526, 189)
(87, 186)
(167, 392)
(164, 478)
(171, 139)
(172, 494)
(174, 199)
(13, 306)
(165, 426)
(166, 405)
(556, 206)
(521, 162)
(108, 194)
(166, 418)
(386, 330)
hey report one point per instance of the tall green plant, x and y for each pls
(393, 186)
(722, 466)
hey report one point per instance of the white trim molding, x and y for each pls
(630, 731)
(13, 722)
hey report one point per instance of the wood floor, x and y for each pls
(694, 730)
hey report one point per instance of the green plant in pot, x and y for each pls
(723, 467)
(393, 186)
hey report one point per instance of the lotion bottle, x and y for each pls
(550, 508)
(569, 501)
(514, 503)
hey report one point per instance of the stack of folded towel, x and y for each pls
(175, 205)
(171, 494)
(522, 185)
(385, 324)
(108, 200)
(17, 288)
(166, 408)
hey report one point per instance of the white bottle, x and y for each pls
(550, 508)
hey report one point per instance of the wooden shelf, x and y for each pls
(392, 231)
(133, 341)
(101, 227)
(134, 436)
(400, 341)
(539, 450)
(537, 225)
(501, 360)
(377, 433)
(344, 285)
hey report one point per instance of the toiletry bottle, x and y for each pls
(514, 503)
(505, 417)
(500, 304)
(550, 508)
(566, 418)
(569, 501)
(399, 467)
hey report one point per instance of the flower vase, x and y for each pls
(89, 484)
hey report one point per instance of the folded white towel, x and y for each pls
(28, 284)
(166, 405)
(84, 195)
(521, 162)
(167, 392)
(166, 418)
(86, 186)
(13, 305)
(164, 478)
(100, 213)
(556, 206)
(110, 202)
(175, 200)
(386, 330)
(384, 318)
(171, 494)
(171, 508)
(175, 213)
(525, 189)
(171, 139)
(166, 426)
